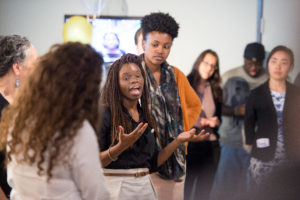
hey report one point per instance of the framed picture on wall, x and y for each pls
(113, 36)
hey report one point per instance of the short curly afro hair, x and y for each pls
(161, 22)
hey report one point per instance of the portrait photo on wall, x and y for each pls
(113, 36)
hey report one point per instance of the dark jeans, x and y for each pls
(3, 178)
(202, 161)
(231, 176)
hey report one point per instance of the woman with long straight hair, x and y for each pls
(203, 157)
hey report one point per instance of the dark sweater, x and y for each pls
(3, 182)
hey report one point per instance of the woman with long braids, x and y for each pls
(49, 129)
(129, 158)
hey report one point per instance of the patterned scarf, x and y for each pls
(166, 110)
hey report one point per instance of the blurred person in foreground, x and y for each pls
(17, 56)
(50, 124)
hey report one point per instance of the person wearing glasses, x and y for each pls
(202, 157)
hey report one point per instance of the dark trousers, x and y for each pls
(3, 178)
(202, 162)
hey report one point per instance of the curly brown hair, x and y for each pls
(51, 106)
(111, 97)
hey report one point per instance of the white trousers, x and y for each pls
(130, 187)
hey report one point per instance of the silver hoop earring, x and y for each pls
(17, 83)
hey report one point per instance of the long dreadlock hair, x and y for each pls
(112, 97)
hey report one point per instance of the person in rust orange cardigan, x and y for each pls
(174, 104)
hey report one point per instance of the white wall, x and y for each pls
(282, 27)
(217, 24)
(224, 26)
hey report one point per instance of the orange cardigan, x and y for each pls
(190, 102)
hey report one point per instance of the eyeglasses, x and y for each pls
(206, 64)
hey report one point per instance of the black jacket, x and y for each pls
(261, 122)
(3, 176)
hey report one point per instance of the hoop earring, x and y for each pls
(17, 83)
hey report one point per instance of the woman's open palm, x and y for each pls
(189, 136)
(126, 140)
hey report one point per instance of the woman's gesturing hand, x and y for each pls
(126, 140)
(189, 136)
